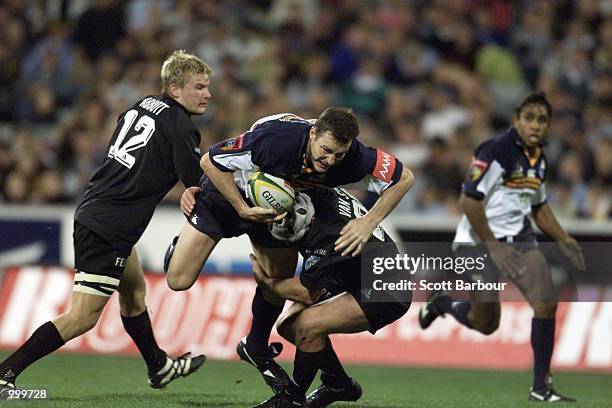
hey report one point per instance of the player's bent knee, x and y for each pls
(307, 329)
(310, 343)
(486, 326)
(178, 284)
(284, 330)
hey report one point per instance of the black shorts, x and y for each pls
(378, 314)
(214, 216)
(99, 264)
(337, 274)
(524, 241)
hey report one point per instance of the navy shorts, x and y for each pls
(99, 264)
(214, 216)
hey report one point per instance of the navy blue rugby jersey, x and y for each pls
(277, 145)
(509, 181)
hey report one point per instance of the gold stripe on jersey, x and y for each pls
(525, 182)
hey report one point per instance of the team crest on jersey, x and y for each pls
(518, 172)
(310, 261)
(235, 143)
(477, 168)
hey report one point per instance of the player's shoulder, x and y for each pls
(277, 142)
(282, 120)
(167, 113)
(500, 145)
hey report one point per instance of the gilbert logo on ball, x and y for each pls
(267, 191)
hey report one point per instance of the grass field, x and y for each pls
(101, 381)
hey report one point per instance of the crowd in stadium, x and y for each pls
(429, 80)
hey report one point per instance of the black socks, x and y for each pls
(140, 330)
(45, 340)
(265, 315)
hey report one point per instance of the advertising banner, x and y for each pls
(215, 313)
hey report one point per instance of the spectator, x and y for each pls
(413, 71)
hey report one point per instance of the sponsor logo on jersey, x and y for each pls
(235, 143)
(194, 219)
(385, 166)
(477, 168)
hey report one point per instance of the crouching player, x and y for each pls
(328, 297)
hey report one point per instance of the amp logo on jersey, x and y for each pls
(235, 143)
(385, 166)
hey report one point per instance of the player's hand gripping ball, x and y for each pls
(267, 191)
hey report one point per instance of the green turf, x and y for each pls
(99, 381)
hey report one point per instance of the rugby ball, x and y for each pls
(267, 191)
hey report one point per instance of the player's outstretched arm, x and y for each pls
(358, 231)
(547, 222)
(289, 288)
(224, 182)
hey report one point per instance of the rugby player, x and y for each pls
(504, 186)
(154, 145)
(329, 298)
(307, 153)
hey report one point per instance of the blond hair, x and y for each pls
(180, 67)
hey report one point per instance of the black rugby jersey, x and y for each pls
(154, 145)
(334, 208)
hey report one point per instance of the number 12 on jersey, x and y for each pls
(135, 140)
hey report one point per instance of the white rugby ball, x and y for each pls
(267, 191)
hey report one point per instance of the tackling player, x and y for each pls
(306, 153)
(154, 145)
(505, 184)
(329, 299)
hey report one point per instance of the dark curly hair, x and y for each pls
(341, 122)
(534, 98)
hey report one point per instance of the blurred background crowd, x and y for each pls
(429, 79)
